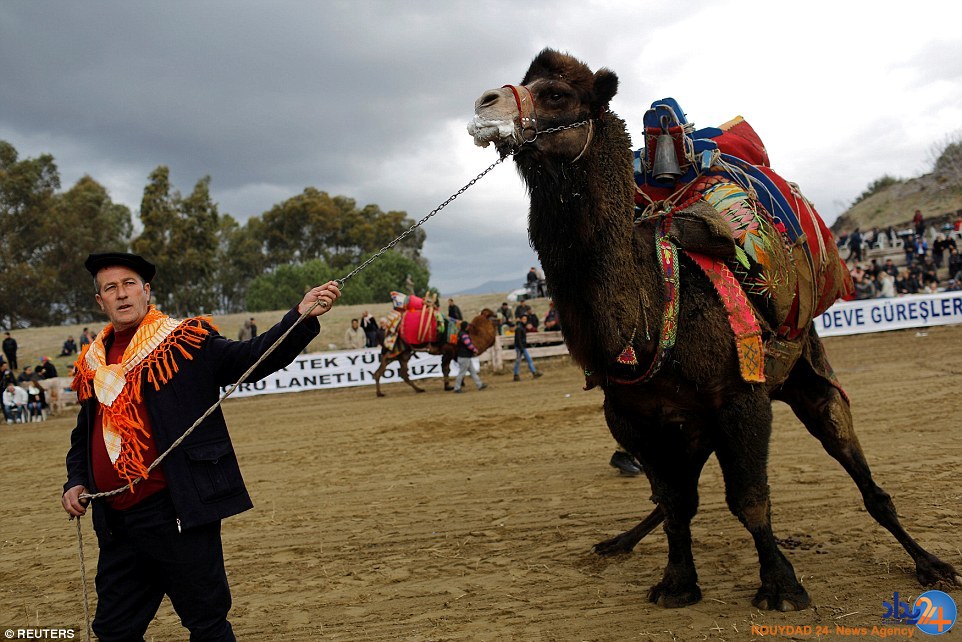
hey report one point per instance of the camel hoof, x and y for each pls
(932, 570)
(674, 597)
(771, 598)
(619, 545)
(448, 387)
(419, 390)
(381, 394)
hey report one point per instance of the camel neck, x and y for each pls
(581, 225)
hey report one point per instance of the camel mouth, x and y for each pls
(501, 132)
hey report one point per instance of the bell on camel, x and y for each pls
(665, 166)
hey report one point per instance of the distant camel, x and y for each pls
(481, 329)
(611, 279)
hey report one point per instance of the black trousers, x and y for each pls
(145, 557)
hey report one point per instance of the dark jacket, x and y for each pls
(202, 474)
(466, 348)
(520, 337)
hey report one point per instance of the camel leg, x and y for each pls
(403, 369)
(626, 542)
(826, 414)
(380, 373)
(673, 471)
(745, 425)
(446, 371)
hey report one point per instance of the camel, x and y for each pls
(607, 274)
(481, 329)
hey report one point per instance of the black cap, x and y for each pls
(140, 265)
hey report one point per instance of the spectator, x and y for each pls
(889, 268)
(69, 347)
(253, 328)
(551, 321)
(506, 317)
(522, 308)
(908, 246)
(521, 348)
(36, 401)
(918, 221)
(382, 328)
(369, 326)
(354, 338)
(245, 333)
(85, 337)
(10, 351)
(938, 250)
(46, 369)
(954, 261)
(921, 249)
(15, 404)
(28, 375)
(466, 354)
(886, 285)
(855, 246)
(531, 283)
(7, 376)
(454, 311)
(864, 287)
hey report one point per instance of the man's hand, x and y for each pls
(72, 503)
(324, 295)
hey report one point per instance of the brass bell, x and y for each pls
(665, 166)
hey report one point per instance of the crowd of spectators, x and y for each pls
(24, 398)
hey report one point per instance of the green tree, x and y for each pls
(180, 237)
(85, 220)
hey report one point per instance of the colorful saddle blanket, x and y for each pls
(785, 255)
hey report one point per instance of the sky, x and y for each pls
(370, 99)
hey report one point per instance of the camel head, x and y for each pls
(557, 90)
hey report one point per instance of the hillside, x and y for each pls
(938, 194)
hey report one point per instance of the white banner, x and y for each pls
(340, 369)
(878, 315)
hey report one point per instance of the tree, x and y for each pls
(180, 237)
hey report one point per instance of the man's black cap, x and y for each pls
(140, 265)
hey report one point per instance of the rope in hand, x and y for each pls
(243, 378)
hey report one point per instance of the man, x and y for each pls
(521, 348)
(46, 369)
(354, 338)
(369, 327)
(253, 323)
(454, 311)
(466, 354)
(10, 350)
(15, 404)
(142, 383)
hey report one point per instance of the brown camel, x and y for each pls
(481, 329)
(575, 158)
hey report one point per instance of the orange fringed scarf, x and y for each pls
(117, 387)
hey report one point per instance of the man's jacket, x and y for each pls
(202, 474)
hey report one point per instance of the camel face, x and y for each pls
(557, 91)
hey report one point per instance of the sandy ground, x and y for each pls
(471, 517)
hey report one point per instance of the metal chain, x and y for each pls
(424, 220)
(243, 378)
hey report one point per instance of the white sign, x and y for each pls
(878, 315)
(340, 369)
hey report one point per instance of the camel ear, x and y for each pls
(606, 86)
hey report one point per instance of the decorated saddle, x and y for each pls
(752, 232)
(417, 322)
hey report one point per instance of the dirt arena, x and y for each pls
(472, 517)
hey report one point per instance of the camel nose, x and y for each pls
(488, 99)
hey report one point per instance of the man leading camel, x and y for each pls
(142, 382)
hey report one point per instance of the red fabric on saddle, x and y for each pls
(740, 140)
(419, 327)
